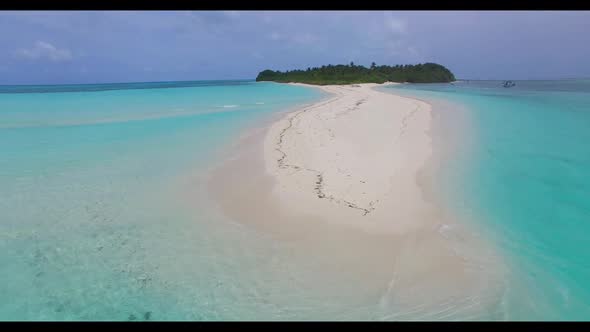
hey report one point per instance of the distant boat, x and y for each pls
(509, 84)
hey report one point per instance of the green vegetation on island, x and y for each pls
(350, 74)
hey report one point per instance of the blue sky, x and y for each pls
(126, 46)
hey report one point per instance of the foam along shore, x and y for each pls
(339, 183)
(354, 159)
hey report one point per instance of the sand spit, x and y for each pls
(337, 183)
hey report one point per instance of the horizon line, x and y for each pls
(254, 79)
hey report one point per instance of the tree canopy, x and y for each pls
(349, 74)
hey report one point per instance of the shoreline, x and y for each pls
(423, 258)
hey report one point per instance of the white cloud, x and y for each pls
(44, 50)
(395, 25)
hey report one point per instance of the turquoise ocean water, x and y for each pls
(104, 212)
(525, 181)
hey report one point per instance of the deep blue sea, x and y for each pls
(525, 181)
(104, 212)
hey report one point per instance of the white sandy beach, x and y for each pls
(354, 159)
(342, 182)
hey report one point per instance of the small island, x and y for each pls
(351, 74)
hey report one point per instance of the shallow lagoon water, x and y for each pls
(525, 182)
(104, 213)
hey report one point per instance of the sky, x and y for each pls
(53, 47)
